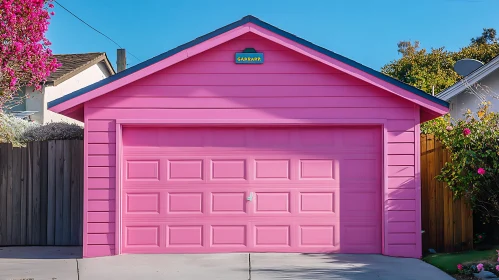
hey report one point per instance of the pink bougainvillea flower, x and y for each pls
(479, 237)
(460, 267)
(481, 171)
(466, 131)
(25, 57)
(497, 267)
(479, 267)
(18, 46)
(449, 128)
(13, 82)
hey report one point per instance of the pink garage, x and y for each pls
(250, 139)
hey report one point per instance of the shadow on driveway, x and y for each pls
(339, 266)
(39, 263)
(41, 252)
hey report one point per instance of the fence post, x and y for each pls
(448, 223)
(3, 194)
(51, 164)
(36, 216)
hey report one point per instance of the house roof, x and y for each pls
(68, 104)
(72, 64)
(472, 78)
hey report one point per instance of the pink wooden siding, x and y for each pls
(288, 86)
(100, 191)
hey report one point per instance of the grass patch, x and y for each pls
(449, 262)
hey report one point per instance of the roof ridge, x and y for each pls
(79, 53)
(72, 64)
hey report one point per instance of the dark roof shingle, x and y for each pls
(72, 64)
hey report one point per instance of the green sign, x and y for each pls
(249, 58)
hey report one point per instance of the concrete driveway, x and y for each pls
(64, 263)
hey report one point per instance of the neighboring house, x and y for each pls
(77, 71)
(481, 85)
(294, 148)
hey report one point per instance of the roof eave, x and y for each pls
(431, 102)
(348, 61)
(109, 66)
(96, 60)
(471, 79)
(353, 68)
(145, 64)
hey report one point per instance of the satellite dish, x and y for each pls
(464, 67)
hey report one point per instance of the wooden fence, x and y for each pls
(41, 190)
(448, 223)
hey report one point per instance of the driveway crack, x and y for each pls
(77, 270)
(249, 266)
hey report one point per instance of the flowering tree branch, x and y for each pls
(25, 56)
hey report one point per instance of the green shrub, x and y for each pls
(18, 131)
(53, 131)
(473, 172)
(13, 128)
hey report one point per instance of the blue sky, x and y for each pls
(364, 30)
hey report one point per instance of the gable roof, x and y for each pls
(472, 78)
(68, 104)
(73, 64)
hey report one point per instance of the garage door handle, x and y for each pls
(250, 197)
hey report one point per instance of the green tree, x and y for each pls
(488, 37)
(432, 71)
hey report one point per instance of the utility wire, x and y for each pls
(96, 30)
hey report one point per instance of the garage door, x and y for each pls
(289, 189)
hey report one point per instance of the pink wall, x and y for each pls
(210, 87)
